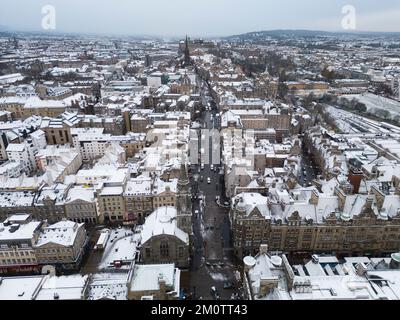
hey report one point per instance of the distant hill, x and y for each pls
(279, 34)
(5, 31)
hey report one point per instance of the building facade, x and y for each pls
(61, 244)
(17, 236)
(346, 225)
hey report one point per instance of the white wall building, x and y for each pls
(23, 153)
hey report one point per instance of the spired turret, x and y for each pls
(183, 180)
(184, 201)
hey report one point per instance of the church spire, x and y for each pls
(187, 60)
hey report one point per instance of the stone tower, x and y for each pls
(184, 201)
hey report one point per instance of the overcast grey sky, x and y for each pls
(198, 17)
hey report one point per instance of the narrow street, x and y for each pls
(92, 257)
(213, 263)
(309, 170)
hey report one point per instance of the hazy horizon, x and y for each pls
(205, 18)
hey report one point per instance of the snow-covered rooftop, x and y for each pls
(162, 221)
(63, 233)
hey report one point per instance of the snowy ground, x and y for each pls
(374, 102)
(121, 246)
(350, 123)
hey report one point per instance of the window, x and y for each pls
(180, 252)
(164, 252)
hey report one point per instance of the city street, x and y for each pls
(308, 170)
(213, 263)
(92, 257)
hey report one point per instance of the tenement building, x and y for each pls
(17, 234)
(305, 220)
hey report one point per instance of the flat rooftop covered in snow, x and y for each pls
(63, 233)
(43, 287)
(146, 277)
(22, 231)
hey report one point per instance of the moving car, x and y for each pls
(208, 180)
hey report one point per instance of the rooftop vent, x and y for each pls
(14, 227)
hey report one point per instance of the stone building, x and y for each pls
(162, 241)
(306, 220)
(17, 235)
(15, 105)
(49, 203)
(61, 244)
(111, 202)
(43, 108)
(58, 130)
(164, 193)
(14, 202)
(270, 276)
(138, 198)
(81, 205)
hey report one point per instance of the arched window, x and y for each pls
(164, 252)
